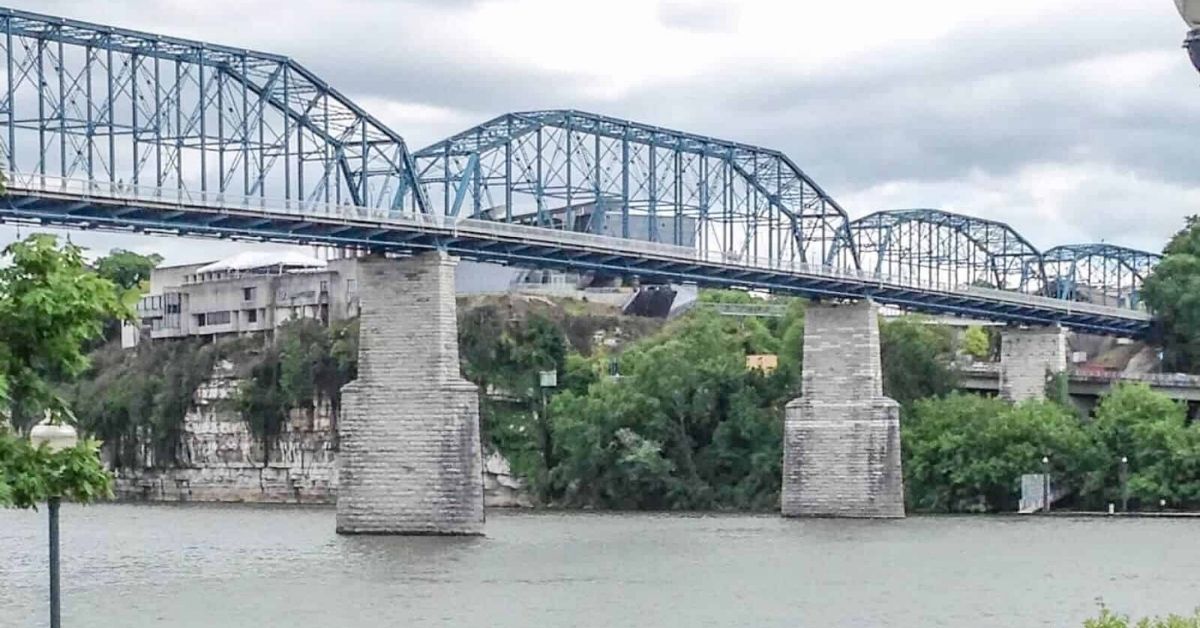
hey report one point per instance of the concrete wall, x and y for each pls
(842, 436)
(410, 458)
(1027, 358)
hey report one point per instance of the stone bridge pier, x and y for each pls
(1028, 358)
(841, 455)
(410, 458)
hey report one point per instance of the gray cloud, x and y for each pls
(991, 99)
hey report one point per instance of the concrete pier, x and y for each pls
(1028, 358)
(410, 453)
(841, 454)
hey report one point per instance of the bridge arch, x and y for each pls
(85, 102)
(1104, 274)
(579, 171)
(932, 245)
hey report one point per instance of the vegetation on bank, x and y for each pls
(1109, 619)
(643, 417)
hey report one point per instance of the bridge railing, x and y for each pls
(151, 196)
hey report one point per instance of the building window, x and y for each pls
(324, 287)
(248, 294)
(213, 318)
(251, 316)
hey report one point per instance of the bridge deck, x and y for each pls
(85, 204)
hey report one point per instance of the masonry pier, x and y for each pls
(409, 459)
(841, 454)
(1028, 358)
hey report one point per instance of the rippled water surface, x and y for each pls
(239, 566)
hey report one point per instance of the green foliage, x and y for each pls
(51, 305)
(965, 452)
(1172, 292)
(1109, 619)
(126, 269)
(130, 398)
(30, 475)
(976, 343)
(916, 359)
(686, 426)
(1162, 449)
(308, 362)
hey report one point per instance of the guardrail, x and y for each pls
(182, 198)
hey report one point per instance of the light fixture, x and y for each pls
(1190, 10)
(56, 436)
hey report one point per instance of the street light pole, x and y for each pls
(55, 437)
(1124, 484)
(1045, 484)
(55, 590)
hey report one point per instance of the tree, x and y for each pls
(976, 343)
(916, 360)
(126, 269)
(1151, 431)
(966, 452)
(1172, 292)
(51, 305)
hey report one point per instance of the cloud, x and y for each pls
(1073, 121)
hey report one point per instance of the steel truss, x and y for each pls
(1103, 274)
(579, 171)
(103, 103)
(945, 248)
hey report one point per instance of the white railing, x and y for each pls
(154, 196)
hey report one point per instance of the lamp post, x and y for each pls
(55, 437)
(1045, 484)
(1190, 10)
(1124, 484)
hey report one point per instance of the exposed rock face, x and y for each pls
(220, 460)
(841, 455)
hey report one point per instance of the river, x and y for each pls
(133, 566)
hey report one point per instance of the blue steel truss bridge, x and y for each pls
(108, 128)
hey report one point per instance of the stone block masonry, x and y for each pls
(841, 455)
(410, 458)
(1027, 359)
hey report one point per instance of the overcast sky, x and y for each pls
(1073, 120)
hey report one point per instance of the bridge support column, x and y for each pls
(410, 459)
(841, 455)
(1028, 357)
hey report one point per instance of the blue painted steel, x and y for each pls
(1104, 274)
(84, 100)
(133, 128)
(638, 181)
(943, 247)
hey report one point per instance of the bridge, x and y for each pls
(113, 129)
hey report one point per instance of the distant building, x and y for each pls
(249, 292)
(259, 291)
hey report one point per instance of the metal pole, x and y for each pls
(1124, 484)
(1045, 484)
(55, 602)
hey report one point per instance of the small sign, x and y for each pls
(548, 379)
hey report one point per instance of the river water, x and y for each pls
(133, 566)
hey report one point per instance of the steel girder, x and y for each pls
(585, 172)
(937, 246)
(1103, 274)
(530, 248)
(82, 100)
